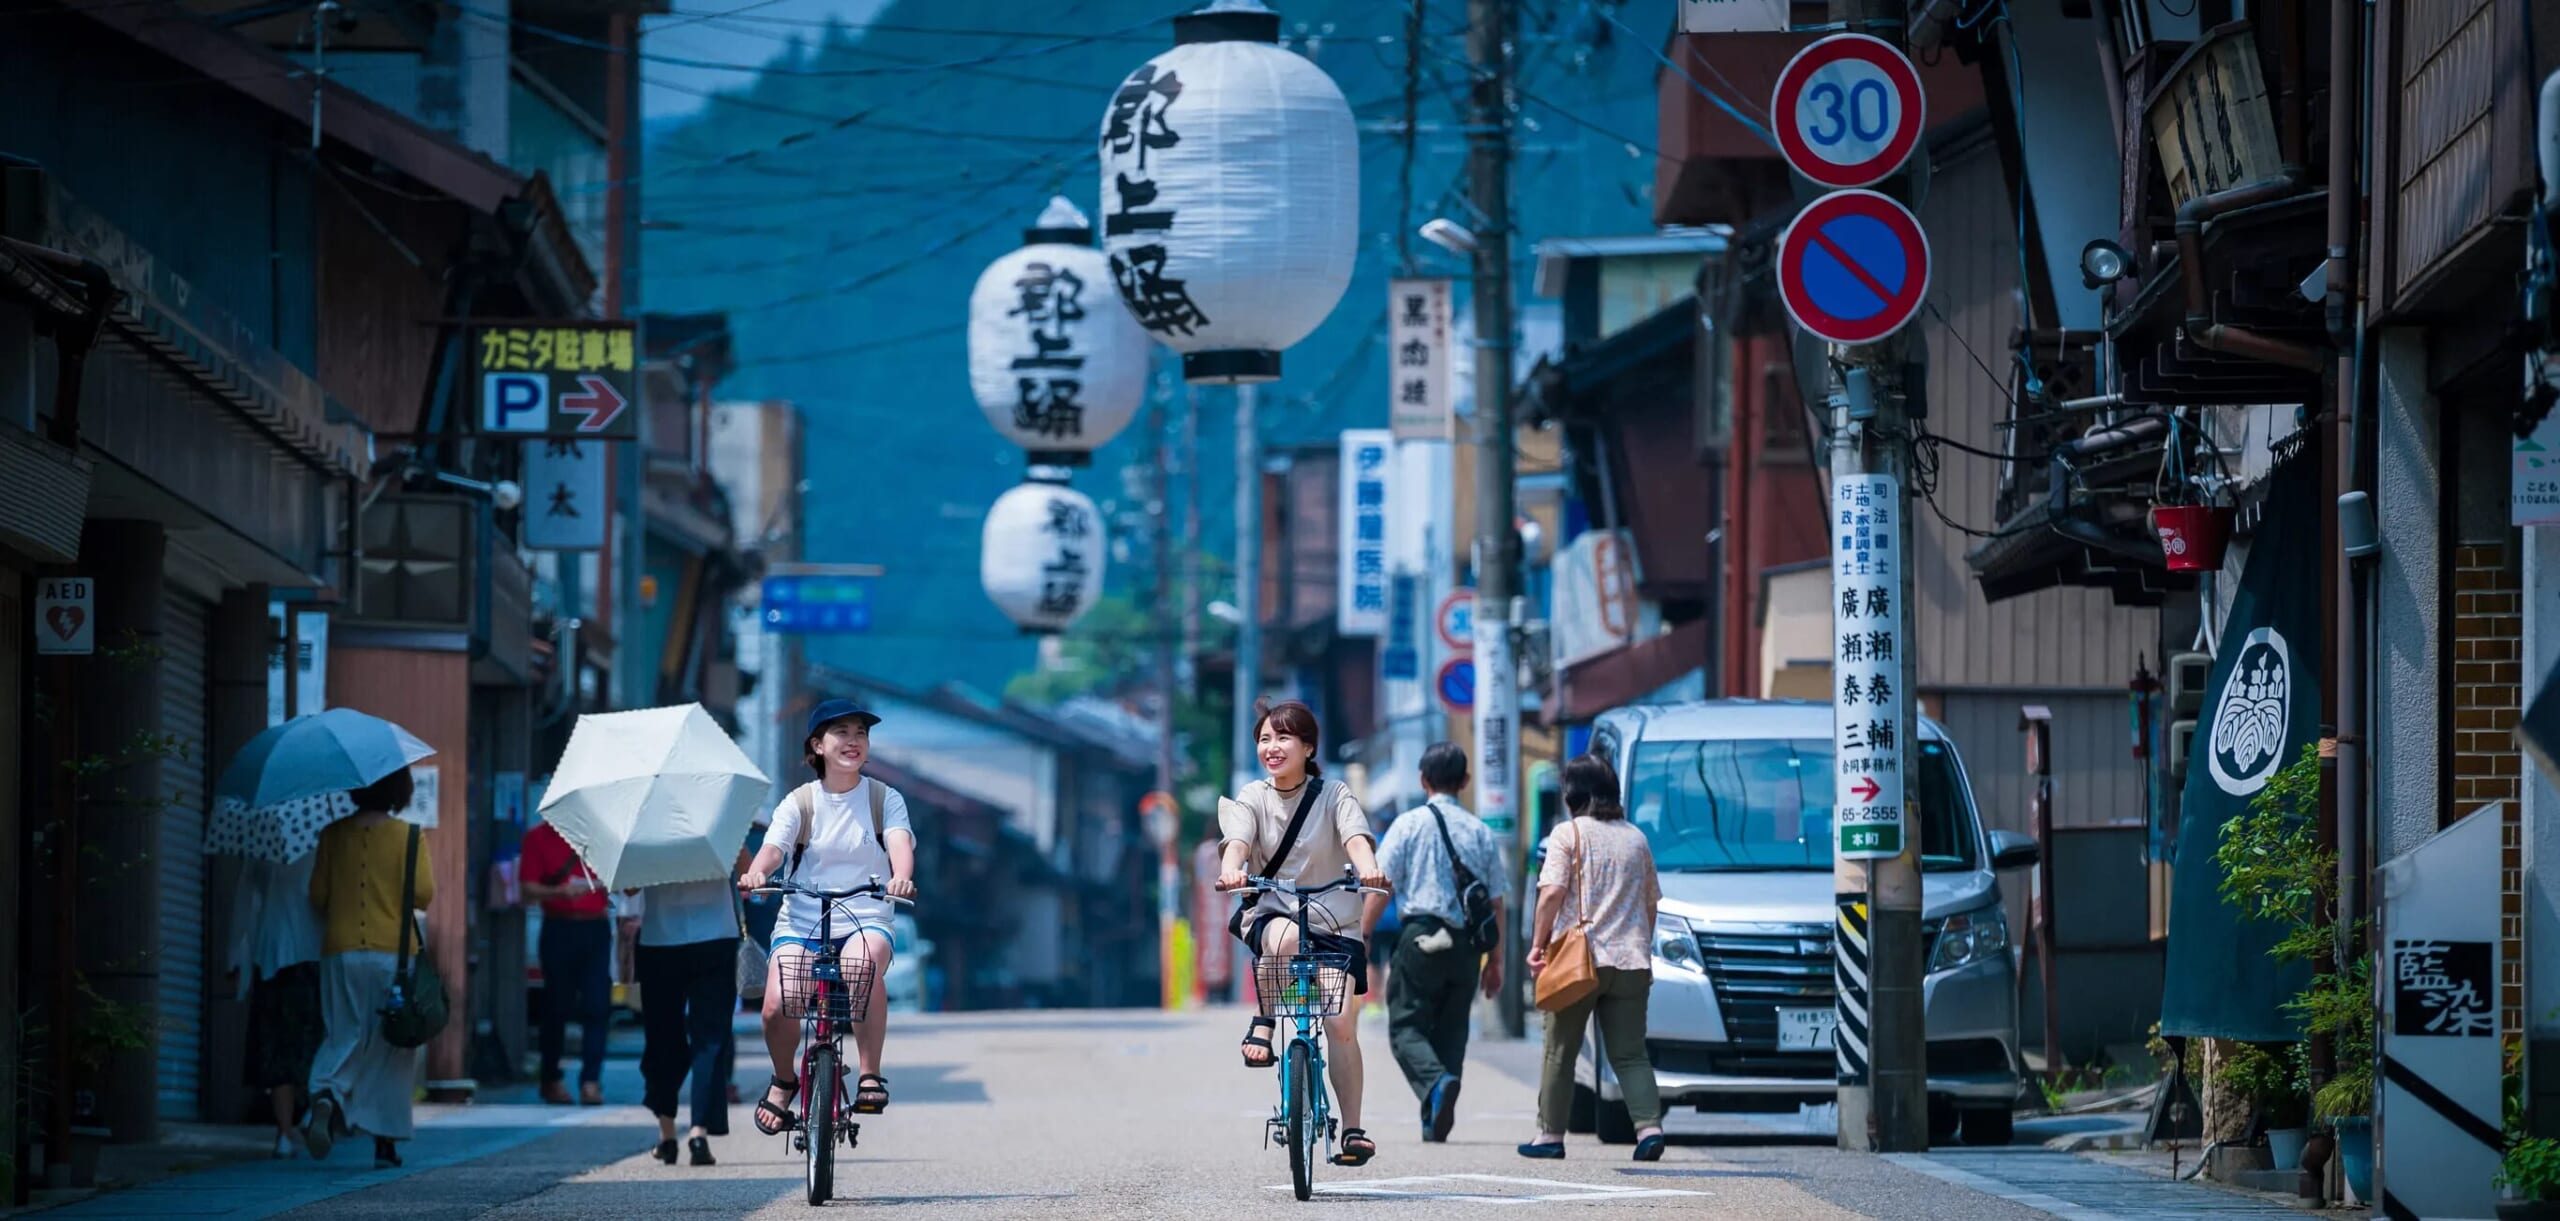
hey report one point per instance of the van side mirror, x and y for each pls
(2011, 850)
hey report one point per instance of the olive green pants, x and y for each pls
(1620, 1005)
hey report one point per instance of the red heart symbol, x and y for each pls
(66, 620)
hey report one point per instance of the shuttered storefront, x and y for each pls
(186, 626)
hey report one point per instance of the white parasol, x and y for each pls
(654, 796)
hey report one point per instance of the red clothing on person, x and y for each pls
(548, 859)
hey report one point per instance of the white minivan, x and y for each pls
(1736, 797)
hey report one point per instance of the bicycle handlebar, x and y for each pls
(1350, 880)
(876, 889)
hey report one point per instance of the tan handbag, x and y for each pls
(1570, 976)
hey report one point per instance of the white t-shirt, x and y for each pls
(841, 855)
(682, 913)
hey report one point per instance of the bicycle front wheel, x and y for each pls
(820, 1096)
(1300, 1120)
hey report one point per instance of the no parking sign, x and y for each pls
(1853, 267)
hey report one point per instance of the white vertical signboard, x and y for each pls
(564, 495)
(1868, 724)
(1418, 359)
(2440, 1094)
(2535, 487)
(1497, 708)
(1360, 579)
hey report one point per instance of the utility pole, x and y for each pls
(1497, 546)
(1248, 682)
(1160, 516)
(1887, 1111)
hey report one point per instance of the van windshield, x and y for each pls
(1765, 804)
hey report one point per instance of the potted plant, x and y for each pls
(2265, 1075)
(2275, 869)
(2528, 1179)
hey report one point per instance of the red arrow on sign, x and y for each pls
(1867, 789)
(597, 400)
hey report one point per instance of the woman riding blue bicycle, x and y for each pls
(1292, 827)
(838, 832)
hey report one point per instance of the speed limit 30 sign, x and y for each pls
(1848, 110)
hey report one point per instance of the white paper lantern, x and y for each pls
(1230, 193)
(1056, 361)
(1041, 556)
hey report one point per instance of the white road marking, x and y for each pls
(1420, 1187)
(1944, 1173)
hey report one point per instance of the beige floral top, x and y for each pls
(1260, 815)
(1616, 893)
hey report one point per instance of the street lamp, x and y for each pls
(1449, 235)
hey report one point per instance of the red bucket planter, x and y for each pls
(2193, 538)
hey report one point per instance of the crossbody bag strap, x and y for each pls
(879, 811)
(1297, 823)
(408, 899)
(1442, 821)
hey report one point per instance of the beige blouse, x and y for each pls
(1260, 815)
(1617, 888)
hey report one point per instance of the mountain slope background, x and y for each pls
(841, 203)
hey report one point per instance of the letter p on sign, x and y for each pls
(515, 402)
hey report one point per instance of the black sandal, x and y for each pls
(1357, 1148)
(1253, 1039)
(778, 1115)
(870, 1094)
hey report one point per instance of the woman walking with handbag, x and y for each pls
(1597, 894)
(370, 875)
(688, 969)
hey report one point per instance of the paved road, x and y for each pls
(1078, 1114)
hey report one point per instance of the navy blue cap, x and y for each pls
(831, 711)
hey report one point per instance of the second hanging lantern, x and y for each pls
(1055, 361)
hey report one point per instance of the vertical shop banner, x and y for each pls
(2262, 706)
(1418, 359)
(1360, 581)
(564, 495)
(1869, 726)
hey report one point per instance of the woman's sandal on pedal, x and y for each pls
(1254, 1041)
(1357, 1148)
(870, 1094)
(772, 1118)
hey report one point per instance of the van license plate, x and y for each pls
(1806, 1029)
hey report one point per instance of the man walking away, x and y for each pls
(1443, 864)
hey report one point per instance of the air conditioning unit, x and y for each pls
(2182, 739)
(2188, 674)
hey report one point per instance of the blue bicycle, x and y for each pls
(1304, 989)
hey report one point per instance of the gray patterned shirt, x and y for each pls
(1417, 862)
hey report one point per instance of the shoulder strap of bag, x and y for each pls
(1581, 911)
(1458, 870)
(408, 900)
(1297, 823)
(879, 811)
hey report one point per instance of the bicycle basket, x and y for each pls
(1302, 985)
(836, 990)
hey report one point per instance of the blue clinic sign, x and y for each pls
(1457, 684)
(1401, 660)
(816, 605)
